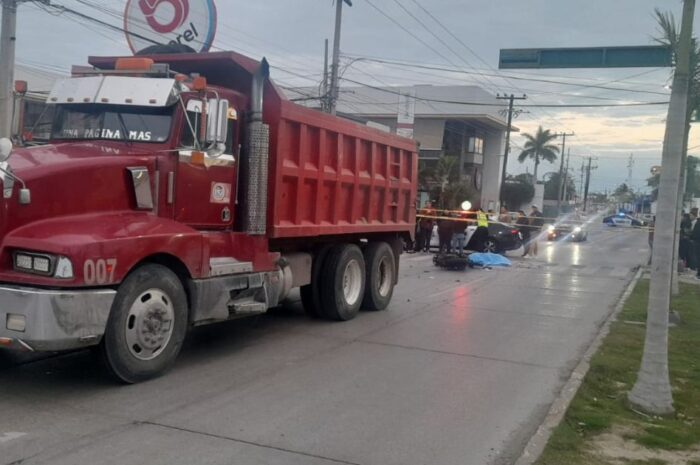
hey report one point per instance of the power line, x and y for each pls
(517, 78)
(484, 104)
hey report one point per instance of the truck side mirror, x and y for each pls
(217, 121)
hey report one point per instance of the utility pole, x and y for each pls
(7, 65)
(566, 174)
(588, 183)
(511, 98)
(561, 169)
(583, 171)
(333, 97)
(652, 390)
(324, 86)
(8, 31)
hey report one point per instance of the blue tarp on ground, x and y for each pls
(488, 259)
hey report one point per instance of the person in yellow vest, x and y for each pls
(482, 219)
(482, 230)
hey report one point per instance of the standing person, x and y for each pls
(523, 223)
(504, 216)
(536, 223)
(695, 238)
(459, 235)
(686, 251)
(425, 227)
(445, 228)
(482, 230)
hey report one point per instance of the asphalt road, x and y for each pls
(460, 370)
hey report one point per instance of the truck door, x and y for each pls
(205, 186)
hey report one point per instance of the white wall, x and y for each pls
(494, 145)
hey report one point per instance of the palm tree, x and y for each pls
(539, 147)
(671, 37)
(652, 390)
(440, 176)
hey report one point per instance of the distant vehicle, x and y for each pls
(646, 217)
(502, 238)
(571, 231)
(623, 220)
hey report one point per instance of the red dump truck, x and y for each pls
(184, 189)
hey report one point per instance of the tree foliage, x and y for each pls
(551, 188)
(539, 147)
(517, 191)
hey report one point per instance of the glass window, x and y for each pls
(112, 122)
(476, 145)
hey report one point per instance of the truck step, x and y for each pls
(247, 308)
(220, 266)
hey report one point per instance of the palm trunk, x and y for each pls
(652, 391)
(675, 290)
(537, 164)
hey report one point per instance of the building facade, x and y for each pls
(464, 122)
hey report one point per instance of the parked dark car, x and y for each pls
(502, 238)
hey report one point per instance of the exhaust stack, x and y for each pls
(258, 155)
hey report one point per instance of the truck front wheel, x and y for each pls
(342, 282)
(380, 276)
(147, 325)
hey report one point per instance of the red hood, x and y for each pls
(71, 178)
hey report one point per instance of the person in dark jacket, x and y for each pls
(523, 224)
(425, 228)
(695, 238)
(536, 223)
(445, 231)
(686, 249)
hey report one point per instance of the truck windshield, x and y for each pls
(112, 122)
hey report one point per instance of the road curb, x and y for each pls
(535, 446)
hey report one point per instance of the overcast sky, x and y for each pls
(291, 33)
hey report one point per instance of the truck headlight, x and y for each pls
(577, 229)
(43, 264)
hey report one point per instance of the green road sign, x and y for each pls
(655, 56)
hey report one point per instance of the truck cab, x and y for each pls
(163, 201)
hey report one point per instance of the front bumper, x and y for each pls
(53, 320)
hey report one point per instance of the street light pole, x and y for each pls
(333, 97)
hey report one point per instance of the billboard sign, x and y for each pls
(159, 22)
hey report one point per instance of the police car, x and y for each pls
(623, 220)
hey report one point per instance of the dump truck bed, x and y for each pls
(330, 176)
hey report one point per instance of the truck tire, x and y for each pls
(146, 326)
(311, 293)
(342, 282)
(380, 275)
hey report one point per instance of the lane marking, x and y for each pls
(11, 436)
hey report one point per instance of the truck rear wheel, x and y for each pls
(342, 282)
(311, 293)
(146, 326)
(380, 266)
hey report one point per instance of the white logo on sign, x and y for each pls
(156, 22)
